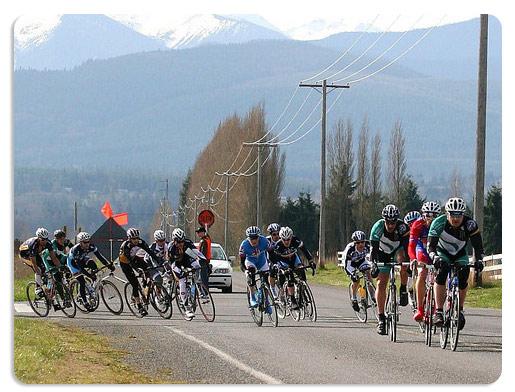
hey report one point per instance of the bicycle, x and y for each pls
(41, 303)
(426, 325)
(196, 295)
(100, 288)
(265, 301)
(391, 309)
(365, 294)
(303, 295)
(451, 313)
(150, 293)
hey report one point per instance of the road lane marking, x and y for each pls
(226, 357)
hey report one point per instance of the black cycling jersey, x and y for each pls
(78, 256)
(385, 243)
(128, 251)
(32, 248)
(281, 251)
(178, 255)
(352, 257)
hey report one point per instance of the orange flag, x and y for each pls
(106, 210)
(122, 218)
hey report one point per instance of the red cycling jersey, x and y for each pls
(418, 241)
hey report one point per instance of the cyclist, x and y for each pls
(411, 217)
(273, 237)
(78, 262)
(253, 258)
(285, 256)
(354, 256)
(160, 249)
(183, 253)
(61, 246)
(132, 256)
(447, 241)
(389, 238)
(417, 250)
(204, 247)
(31, 251)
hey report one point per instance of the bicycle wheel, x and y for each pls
(428, 316)
(39, 304)
(111, 297)
(455, 318)
(310, 308)
(269, 307)
(282, 310)
(172, 290)
(361, 314)
(205, 302)
(131, 304)
(256, 313)
(393, 313)
(444, 329)
(76, 297)
(371, 298)
(70, 311)
(295, 313)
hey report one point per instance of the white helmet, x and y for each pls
(178, 234)
(431, 207)
(159, 235)
(390, 212)
(455, 205)
(132, 233)
(83, 236)
(285, 233)
(358, 235)
(273, 227)
(411, 216)
(252, 231)
(42, 233)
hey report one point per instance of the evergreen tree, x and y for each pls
(410, 199)
(302, 215)
(492, 235)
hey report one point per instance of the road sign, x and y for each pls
(206, 218)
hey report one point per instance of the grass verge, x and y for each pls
(19, 288)
(49, 353)
(488, 296)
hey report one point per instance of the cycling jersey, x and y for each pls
(32, 248)
(418, 241)
(255, 256)
(129, 251)
(354, 259)
(451, 241)
(161, 252)
(178, 255)
(387, 242)
(287, 256)
(78, 257)
(60, 252)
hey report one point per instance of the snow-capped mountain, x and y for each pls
(211, 28)
(322, 28)
(74, 39)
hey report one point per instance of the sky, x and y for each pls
(284, 14)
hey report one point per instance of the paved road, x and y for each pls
(336, 349)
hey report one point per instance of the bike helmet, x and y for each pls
(390, 212)
(273, 227)
(252, 231)
(83, 236)
(132, 233)
(411, 216)
(431, 207)
(42, 233)
(178, 234)
(358, 236)
(455, 205)
(59, 233)
(159, 235)
(285, 233)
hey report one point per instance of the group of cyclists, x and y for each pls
(422, 238)
(59, 255)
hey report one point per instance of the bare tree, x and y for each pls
(362, 174)
(396, 164)
(374, 192)
(456, 183)
(341, 185)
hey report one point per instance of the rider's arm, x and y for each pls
(52, 255)
(243, 257)
(305, 250)
(100, 256)
(435, 230)
(347, 259)
(413, 240)
(475, 238)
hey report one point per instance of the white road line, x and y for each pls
(21, 307)
(226, 357)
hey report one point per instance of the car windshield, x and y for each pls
(217, 253)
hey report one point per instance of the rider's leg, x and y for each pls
(382, 282)
(131, 277)
(440, 280)
(420, 285)
(463, 275)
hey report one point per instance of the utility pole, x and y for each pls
(226, 222)
(75, 220)
(481, 127)
(321, 231)
(481, 123)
